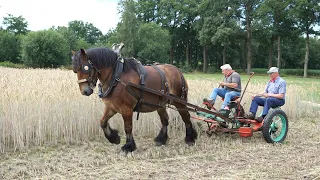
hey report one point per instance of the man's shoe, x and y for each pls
(259, 119)
(208, 103)
(250, 116)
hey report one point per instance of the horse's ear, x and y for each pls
(83, 54)
(73, 52)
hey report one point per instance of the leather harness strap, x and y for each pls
(116, 74)
(163, 80)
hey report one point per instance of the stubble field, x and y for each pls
(48, 130)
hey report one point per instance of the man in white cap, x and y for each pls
(273, 95)
(228, 89)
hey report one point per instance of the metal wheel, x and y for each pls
(275, 126)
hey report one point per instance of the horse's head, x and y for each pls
(86, 72)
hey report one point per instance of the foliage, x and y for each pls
(16, 25)
(44, 49)
(288, 72)
(11, 65)
(307, 16)
(10, 47)
(128, 28)
(153, 43)
(198, 34)
(85, 30)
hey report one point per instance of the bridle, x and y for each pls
(89, 68)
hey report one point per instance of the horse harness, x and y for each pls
(140, 97)
(117, 70)
(87, 69)
(116, 74)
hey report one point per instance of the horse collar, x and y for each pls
(116, 75)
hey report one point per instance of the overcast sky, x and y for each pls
(43, 14)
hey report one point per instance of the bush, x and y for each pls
(11, 65)
(10, 47)
(44, 49)
(290, 72)
(186, 68)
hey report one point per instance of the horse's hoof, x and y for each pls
(117, 140)
(128, 148)
(114, 138)
(190, 143)
(160, 143)
(161, 140)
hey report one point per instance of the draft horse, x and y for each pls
(114, 74)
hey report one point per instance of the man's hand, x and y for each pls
(222, 83)
(258, 95)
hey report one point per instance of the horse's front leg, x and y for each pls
(130, 144)
(162, 137)
(109, 133)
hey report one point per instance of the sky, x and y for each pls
(43, 14)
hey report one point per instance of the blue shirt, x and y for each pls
(276, 87)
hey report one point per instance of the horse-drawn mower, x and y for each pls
(274, 126)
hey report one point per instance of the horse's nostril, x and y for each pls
(86, 92)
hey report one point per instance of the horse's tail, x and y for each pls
(184, 86)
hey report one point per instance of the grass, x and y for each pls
(48, 130)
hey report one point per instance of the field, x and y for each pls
(48, 130)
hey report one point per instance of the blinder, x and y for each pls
(86, 68)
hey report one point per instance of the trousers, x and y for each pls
(267, 103)
(224, 93)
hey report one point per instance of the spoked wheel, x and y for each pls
(275, 126)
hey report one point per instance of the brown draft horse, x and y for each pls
(101, 63)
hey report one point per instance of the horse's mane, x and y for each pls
(104, 57)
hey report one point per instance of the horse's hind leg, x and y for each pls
(162, 137)
(191, 133)
(109, 133)
(130, 144)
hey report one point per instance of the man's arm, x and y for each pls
(229, 85)
(279, 96)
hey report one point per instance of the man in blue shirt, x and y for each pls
(273, 95)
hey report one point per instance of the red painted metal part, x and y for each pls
(215, 126)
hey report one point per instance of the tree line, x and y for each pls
(192, 34)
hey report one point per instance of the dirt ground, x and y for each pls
(222, 156)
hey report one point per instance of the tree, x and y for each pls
(276, 23)
(307, 15)
(218, 27)
(153, 43)
(128, 27)
(68, 35)
(85, 30)
(315, 53)
(249, 7)
(16, 25)
(10, 47)
(44, 49)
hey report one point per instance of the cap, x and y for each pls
(226, 66)
(272, 70)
